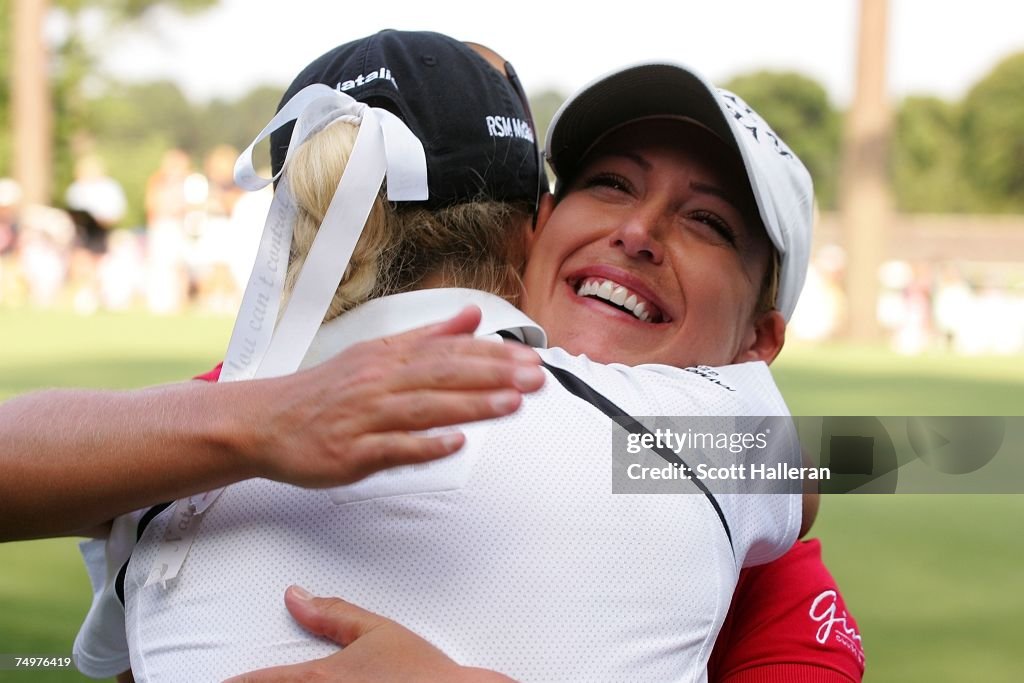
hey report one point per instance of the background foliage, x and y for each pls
(993, 135)
(946, 156)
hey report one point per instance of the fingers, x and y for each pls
(332, 618)
(306, 671)
(456, 346)
(464, 364)
(428, 408)
(376, 452)
(444, 341)
(451, 350)
(441, 356)
(464, 372)
(463, 322)
(326, 421)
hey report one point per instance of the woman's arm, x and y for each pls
(73, 459)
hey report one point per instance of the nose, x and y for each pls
(637, 237)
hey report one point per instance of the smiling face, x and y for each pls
(654, 254)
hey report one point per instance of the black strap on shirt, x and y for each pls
(581, 389)
(578, 387)
(148, 517)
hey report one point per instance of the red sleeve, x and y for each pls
(211, 375)
(788, 624)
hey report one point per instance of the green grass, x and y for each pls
(934, 581)
(855, 380)
(44, 590)
(43, 349)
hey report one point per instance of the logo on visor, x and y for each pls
(509, 127)
(363, 79)
(750, 120)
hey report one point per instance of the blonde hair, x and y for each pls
(769, 292)
(477, 244)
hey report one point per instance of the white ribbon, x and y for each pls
(384, 146)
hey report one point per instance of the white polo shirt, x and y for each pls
(512, 555)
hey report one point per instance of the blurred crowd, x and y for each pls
(969, 309)
(201, 234)
(195, 251)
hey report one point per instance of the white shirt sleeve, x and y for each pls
(101, 647)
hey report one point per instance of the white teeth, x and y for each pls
(616, 294)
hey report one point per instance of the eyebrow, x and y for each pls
(716, 191)
(635, 158)
(696, 186)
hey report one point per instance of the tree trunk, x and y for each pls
(31, 111)
(864, 197)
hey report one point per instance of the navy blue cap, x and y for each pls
(474, 126)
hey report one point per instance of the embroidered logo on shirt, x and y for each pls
(710, 375)
(824, 610)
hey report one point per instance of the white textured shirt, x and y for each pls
(513, 554)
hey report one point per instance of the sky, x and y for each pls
(938, 47)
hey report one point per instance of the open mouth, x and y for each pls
(620, 297)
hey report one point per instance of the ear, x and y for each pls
(765, 339)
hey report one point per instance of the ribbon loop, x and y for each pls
(318, 105)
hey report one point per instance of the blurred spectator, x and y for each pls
(953, 299)
(166, 210)
(10, 199)
(45, 239)
(220, 173)
(96, 202)
(914, 331)
(893, 308)
(247, 222)
(211, 268)
(994, 323)
(122, 272)
(821, 312)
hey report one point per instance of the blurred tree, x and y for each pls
(131, 10)
(31, 110)
(71, 58)
(134, 111)
(800, 112)
(927, 158)
(5, 90)
(133, 124)
(236, 122)
(993, 130)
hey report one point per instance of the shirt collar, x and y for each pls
(399, 313)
